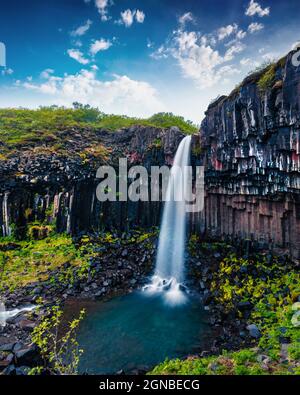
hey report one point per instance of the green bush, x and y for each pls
(60, 351)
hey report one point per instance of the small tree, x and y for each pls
(60, 353)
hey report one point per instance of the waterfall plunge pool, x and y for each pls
(145, 328)
(137, 331)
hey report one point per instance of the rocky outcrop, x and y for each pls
(36, 185)
(251, 151)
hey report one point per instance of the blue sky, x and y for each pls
(138, 57)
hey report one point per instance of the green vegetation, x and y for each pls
(24, 127)
(52, 257)
(60, 351)
(167, 120)
(272, 288)
(30, 261)
(235, 363)
(264, 76)
(267, 80)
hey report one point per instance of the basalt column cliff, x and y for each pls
(251, 151)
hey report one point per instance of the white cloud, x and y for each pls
(149, 43)
(46, 73)
(227, 31)
(78, 43)
(241, 34)
(160, 53)
(121, 95)
(255, 8)
(129, 16)
(185, 18)
(78, 56)
(81, 30)
(255, 27)
(234, 49)
(270, 56)
(249, 62)
(140, 16)
(199, 61)
(101, 6)
(100, 45)
(245, 61)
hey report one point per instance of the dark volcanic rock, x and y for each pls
(27, 356)
(250, 144)
(34, 182)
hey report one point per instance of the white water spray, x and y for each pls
(169, 272)
(6, 230)
(6, 314)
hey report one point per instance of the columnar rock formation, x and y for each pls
(251, 151)
(61, 189)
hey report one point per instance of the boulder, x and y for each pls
(254, 331)
(27, 356)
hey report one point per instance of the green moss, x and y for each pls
(267, 80)
(157, 143)
(37, 231)
(34, 260)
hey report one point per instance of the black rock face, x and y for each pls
(251, 151)
(63, 189)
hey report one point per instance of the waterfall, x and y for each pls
(169, 272)
(71, 198)
(6, 230)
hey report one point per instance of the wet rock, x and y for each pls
(254, 331)
(27, 325)
(124, 253)
(7, 347)
(4, 364)
(22, 371)
(27, 356)
(244, 306)
(18, 346)
(37, 291)
(9, 371)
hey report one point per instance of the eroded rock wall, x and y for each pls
(251, 151)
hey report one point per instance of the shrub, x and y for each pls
(60, 352)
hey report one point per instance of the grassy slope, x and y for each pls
(19, 127)
(43, 252)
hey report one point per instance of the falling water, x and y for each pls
(6, 314)
(169, 272)
(6, 230)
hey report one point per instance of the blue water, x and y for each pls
(138, 330)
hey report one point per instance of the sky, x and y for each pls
(138, 57)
